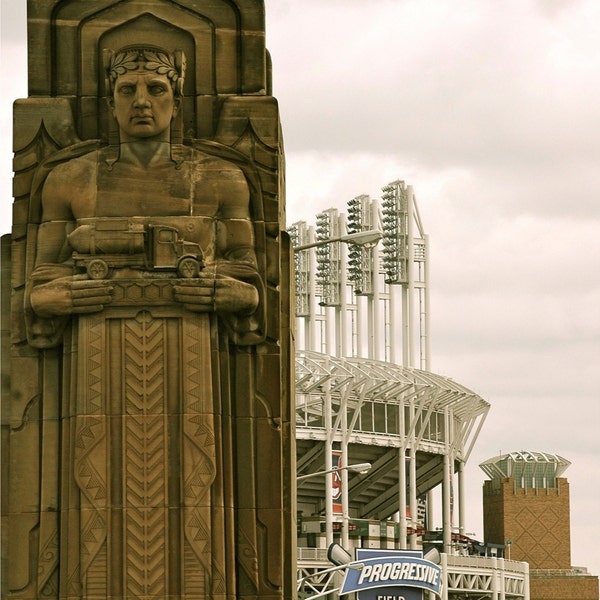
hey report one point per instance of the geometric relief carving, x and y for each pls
(145, 537)
(145, 442)
(146, 553)
(145, 456)
(90, 468)
(143, 360)
(137, 460)
(204, 563)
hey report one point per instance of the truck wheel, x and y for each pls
(188, 267)
(97, 269)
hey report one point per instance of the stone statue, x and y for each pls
(148, 454)
(147, 182)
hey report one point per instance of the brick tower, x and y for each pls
(526, 509)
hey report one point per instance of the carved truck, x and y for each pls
(103, 244)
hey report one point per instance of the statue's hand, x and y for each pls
(221, 295)
(68, 295)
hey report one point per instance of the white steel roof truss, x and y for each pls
(468, 435)
(410, 437)
(473, 438)
(343, 408)
(514, 586)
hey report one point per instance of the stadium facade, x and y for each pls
(381, 440)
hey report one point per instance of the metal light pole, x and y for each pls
(357, 468)
(361, 238)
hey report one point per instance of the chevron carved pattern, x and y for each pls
(144, 365)
(145, 461)
(145, 379)
(47, 572)
(91, 338)
(145, 553)
(90, 469)
(204, 555)
(145, 457)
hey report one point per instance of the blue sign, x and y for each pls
(394, 574)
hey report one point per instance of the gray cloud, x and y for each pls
(501, 91)
(12, 22)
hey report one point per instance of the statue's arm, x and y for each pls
(231, 286)
(53, 292)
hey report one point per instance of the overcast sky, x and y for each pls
(491, 111)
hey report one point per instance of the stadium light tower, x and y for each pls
(363, 268)
(405, 263)
(320, 262)
(365, 299)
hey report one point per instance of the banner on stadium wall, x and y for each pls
(392, 575)
(336, 482)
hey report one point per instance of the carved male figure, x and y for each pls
(147, 453)
(145, 180)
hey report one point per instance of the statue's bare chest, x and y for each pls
(123, 190)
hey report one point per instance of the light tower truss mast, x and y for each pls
(359, 301)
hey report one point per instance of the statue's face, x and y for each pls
(144, 105)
